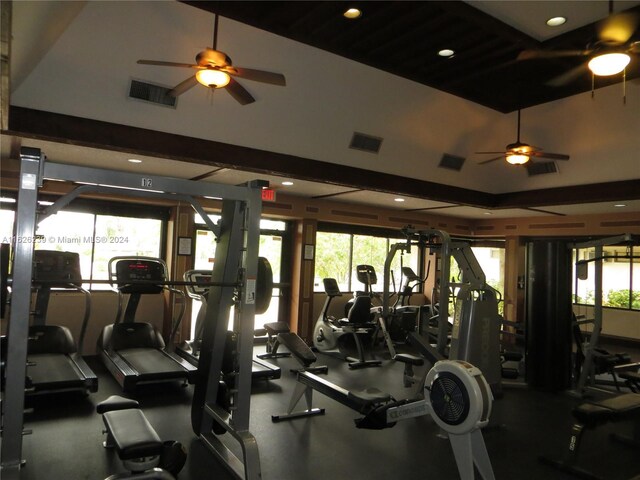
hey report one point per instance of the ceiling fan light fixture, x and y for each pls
(517, 158)
(352, 13)
(609, 63)
(213, 78)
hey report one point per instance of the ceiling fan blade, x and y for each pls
(491, 153)
(491, 160)
(534, 54)
(167, 64)
(618, 28)
(183, 86)
(238, 92)
(553, 156)
(260, 76)
(568, 76)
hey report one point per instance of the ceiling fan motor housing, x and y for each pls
(459, 397)
(213, 57)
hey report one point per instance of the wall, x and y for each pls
(67, 309)
(516, 231)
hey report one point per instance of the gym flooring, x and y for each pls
(66, 443)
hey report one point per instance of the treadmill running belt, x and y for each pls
(53, 368)
(150, 361)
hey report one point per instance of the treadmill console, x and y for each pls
(132, 270)
(52, 268)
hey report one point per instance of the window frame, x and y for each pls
(104, 208)
(392, 235)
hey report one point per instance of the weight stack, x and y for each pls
(548, 321)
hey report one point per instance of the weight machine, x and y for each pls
(589, 348)
(234, 282)
(475, 333)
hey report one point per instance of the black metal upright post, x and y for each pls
(548, 321)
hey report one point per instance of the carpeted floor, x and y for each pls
(67, 434)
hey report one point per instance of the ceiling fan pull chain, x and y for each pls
(624, 86)
(593, 85)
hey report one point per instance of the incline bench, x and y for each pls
(136, 442)
(280, 334)
(592, 414)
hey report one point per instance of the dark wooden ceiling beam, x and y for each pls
(110, 136)
(70, 130)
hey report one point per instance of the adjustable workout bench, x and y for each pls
(136, 442)
(280, 334)
(590, 415)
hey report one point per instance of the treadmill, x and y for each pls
(135, 352)
(198, 289)
(54, 361)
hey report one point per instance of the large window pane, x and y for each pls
(6, 225)
(616, 277)
(491, 260)
(123, 236)
(584, 289)
(372, 251)
(69, 232)
(333, 253)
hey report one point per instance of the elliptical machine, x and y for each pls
(332, 336)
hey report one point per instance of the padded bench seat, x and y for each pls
(133, 435)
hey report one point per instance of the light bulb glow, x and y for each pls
(609, 63)
(556, 21)
(517, 158)
(352, 13)
(212, 78)
(447, 52)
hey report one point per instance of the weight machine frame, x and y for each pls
(599, 244)
(235, 268)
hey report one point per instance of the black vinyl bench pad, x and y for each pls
(133, 435)
(609, 409)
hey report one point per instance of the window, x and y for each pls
(491, 260)
(98, 238)
(338, 254)
(271, 244)
(6, 224)
(620, 277)
(96, 231)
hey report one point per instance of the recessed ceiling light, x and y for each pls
(447, 52)
(352, 13)
(287, 183)
(619, 205)
(134, 160)
(488, 213)
(398, 199)
(556, 21)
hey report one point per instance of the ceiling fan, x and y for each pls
(608, 55)
(519, 153)
(215, 70)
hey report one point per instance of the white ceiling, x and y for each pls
(67, 59)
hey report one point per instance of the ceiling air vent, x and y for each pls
(541, 168)
(452, 162)
(366, 143)
(152, 93)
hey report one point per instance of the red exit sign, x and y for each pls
(268, 195)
